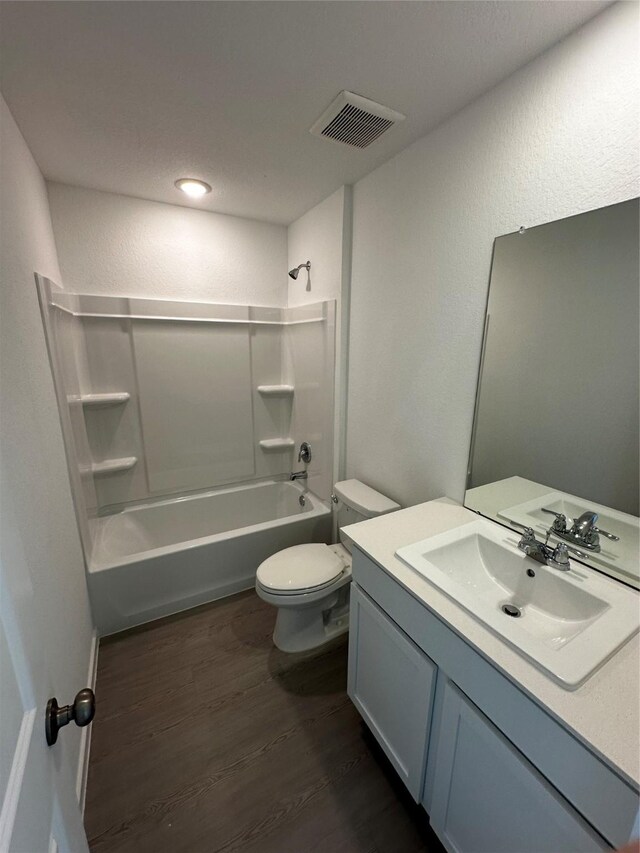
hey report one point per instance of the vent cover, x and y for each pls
(354, 120)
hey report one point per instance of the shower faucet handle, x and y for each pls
(304, 454)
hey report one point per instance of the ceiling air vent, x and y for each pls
(354, 120)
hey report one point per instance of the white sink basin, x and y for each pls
(623, 556)
(569, 623)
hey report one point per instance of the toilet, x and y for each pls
(309, 584)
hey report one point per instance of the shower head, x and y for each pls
(295, 272)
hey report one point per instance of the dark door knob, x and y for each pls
(81, 712)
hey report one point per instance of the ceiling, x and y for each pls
(128, 96)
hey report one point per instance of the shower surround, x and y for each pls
(182, 422)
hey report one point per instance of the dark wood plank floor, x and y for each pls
(207, 738)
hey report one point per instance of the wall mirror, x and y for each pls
(556, 426)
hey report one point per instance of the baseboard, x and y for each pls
(85, 736)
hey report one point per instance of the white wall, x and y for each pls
(323, 236)
(558, 137)
(309, 360)
(39, 535)
(317, 237)
(120, 246)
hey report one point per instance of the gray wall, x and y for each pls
(559, 397)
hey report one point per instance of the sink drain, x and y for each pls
(511, 610)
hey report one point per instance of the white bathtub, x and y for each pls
(159, 558)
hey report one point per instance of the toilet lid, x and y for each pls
(300, 568)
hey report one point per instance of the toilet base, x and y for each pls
(310, 627)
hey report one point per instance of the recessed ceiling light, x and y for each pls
(193, 187)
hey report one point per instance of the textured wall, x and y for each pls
(39, 535)
(317, 237)
(121, 246)
(558, 137)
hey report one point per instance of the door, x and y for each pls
(40, 812)
(391, 683)
(45, 622)
(488, 798)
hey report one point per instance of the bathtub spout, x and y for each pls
(298, 475)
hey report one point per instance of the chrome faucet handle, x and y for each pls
(553, 512)
(561, 519)
(528, 540)
(526, 530)
(606, 535)
(304, 454)
(580, 554)
(559, 558)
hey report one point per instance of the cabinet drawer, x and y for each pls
(487, 798)
(391, 683)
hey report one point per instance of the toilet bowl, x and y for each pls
(309, 584)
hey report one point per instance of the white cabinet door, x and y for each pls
(487, 798)
(391, 683)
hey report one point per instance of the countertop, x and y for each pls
(604, 713)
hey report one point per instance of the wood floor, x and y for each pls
(207, 738)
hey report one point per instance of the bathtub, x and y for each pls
(159, 558)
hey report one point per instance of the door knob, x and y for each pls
(81, 712)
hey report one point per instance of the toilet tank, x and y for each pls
(357, 502)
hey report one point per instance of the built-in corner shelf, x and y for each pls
(114, 398)
(113, 466)
(275, 390)
(273, 444)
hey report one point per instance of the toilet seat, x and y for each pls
(300, 569)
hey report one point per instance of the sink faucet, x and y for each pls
(583, 531)
(557, 558)
(298, 475)
(585, 525)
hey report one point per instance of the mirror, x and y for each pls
(556, 426)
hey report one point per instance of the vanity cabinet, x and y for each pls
(488, 797)
(494, 771)
(391, 683)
